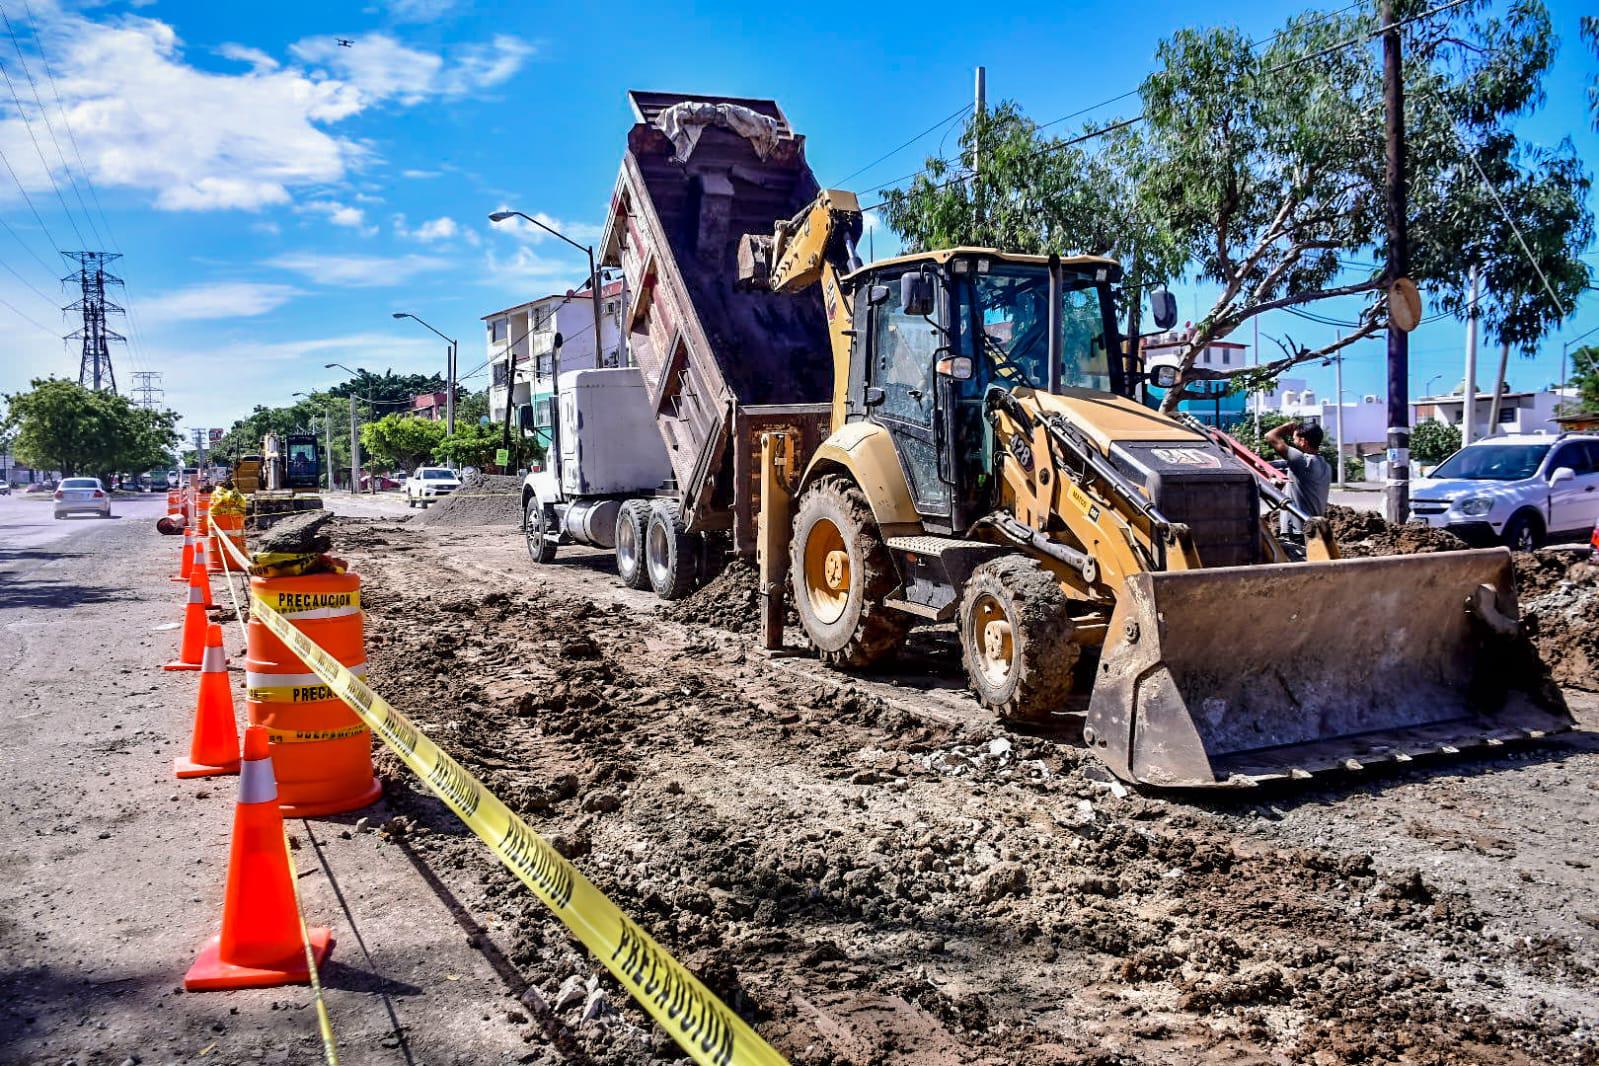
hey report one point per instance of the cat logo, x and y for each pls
(1200, 457)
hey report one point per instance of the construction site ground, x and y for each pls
(869, 869)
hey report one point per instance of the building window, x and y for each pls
(499, 375)
(1226, 357)
(542, 316)
(1507, 413)
(497, 329)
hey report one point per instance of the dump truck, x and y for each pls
(284, 478)
(665, 469)
(962, 437)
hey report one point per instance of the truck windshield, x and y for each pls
(1493, 462)
(1009, 308)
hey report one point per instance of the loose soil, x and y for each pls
(872, 871)
(482, 500)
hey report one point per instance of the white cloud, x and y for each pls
(256, 59)
(271, 229)
(357, 271)
(214, 300)
(378, 67)
(438, 229)
(413, 173)
(527, 266)
(341, 215)
(198, 140)
(420, 10)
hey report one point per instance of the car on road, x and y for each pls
(5, 488)
(82, 495)
(1519, 490)
(430, 483)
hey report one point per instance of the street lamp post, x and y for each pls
(449, 371)
(355, 439)
(594, 275)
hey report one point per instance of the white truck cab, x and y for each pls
(608, 456)
(1517, 490)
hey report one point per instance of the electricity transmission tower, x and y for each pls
(94, 368)
(147, 387)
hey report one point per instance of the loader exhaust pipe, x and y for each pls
(1240, 675)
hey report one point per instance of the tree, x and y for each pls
(1590, 33)
(474, 444)
(1244, 433)
(1585, 378)
(1260, 170)
(387, 388)
(401, 440)
(471, 407)
(60, 425)
(1433, 441)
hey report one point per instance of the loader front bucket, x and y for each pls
(1239, 675)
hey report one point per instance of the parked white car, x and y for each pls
(430, 483)
(82, 495)
(1517, 490)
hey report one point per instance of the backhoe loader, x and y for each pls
(990, 464)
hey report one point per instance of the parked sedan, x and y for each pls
(82, 495)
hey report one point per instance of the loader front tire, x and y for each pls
(841, 573)
(1016, 639)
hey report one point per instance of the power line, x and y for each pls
(29, 318)
(895, 151)
(29, 200)
(49, 126)
(25, 281)
(26, 122)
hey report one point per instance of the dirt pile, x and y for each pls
(298, 533)
(731, 601)
(866, 886)
(482, 500)
(1366, 533)
(1559, 597)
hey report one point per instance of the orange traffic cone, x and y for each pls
(186, 560)
(192, 645)
(260, 944)
(215, 748)
(200, 565)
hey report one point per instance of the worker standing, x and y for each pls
(1309, 475)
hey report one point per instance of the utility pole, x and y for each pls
(979, 111)
(1396, 493)
(449, 398)
(1468, 416)
(94, 365)
(1338, 409)
(355, 451)
(1257, 384)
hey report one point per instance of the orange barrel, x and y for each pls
(227, 524)
(174, 501)
(202, 511)
(321, 752)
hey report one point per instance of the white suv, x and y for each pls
(1516, 490)
(430, 483)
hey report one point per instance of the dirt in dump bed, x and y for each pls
(482, 500)
(869, 886)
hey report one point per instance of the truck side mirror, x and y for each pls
(916, 293)
(1164, 307)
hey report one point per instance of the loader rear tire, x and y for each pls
(632, 527)
(841, 573)
(669, 553)
(1016, 639)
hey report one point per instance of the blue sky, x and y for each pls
(277, 196)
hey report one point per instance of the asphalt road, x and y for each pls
(28, 522)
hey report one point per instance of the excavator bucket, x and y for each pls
(1239, 675)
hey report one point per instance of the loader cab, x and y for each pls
(932, 333)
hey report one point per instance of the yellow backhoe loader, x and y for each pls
(990, 465)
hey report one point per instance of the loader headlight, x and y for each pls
(1476, 506)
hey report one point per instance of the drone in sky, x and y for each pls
(344, 42)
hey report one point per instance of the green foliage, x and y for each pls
(1585, 378)
(404, 441)
(1244, 433)
(60, 425)
(471, 407)
(1433, 442)
(1354, 468)
(388, 387)
(1590, 33)
(474, 444)
(1261, 173)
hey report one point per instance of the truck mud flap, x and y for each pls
(1239, 675)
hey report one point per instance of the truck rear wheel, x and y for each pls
(535, 524)
(841, 573)
(669, 553)
(632, 529)
(1016, 639)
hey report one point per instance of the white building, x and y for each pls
(1365, 419)
(1519, 412)
(523, 337)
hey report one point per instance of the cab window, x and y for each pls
(903, 353)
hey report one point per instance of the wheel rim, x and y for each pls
(827, 571)
(535, 528)
(626, 545)
(992, 642)
(1524, 539)
(658, 554)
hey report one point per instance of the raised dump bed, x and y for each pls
(721, 366)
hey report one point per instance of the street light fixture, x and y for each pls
(449, 372)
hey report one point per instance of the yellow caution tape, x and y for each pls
(702, 1024)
